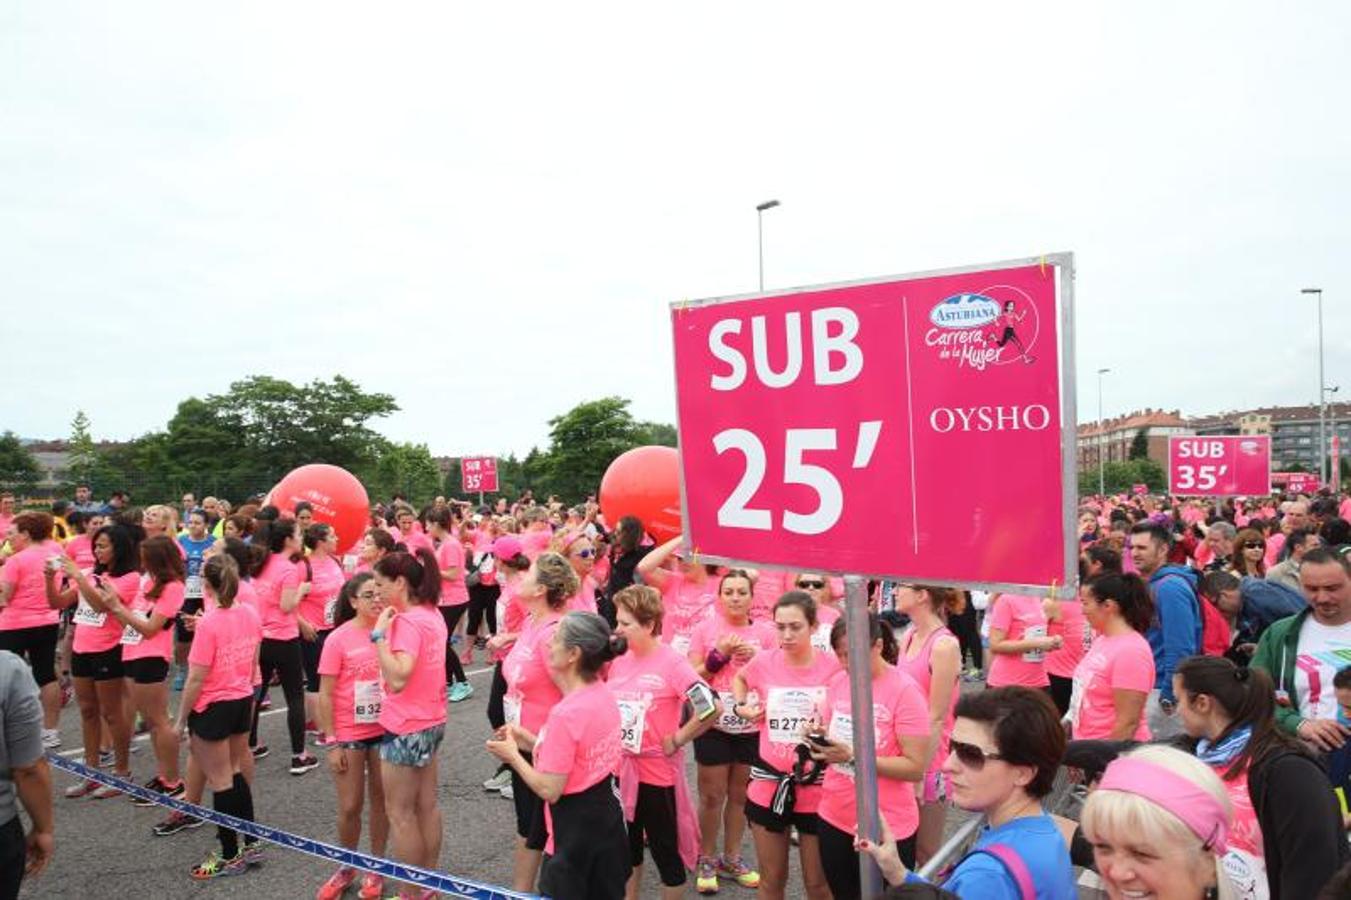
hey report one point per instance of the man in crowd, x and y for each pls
(24, 777)
(84, 500)
(1300, 541)
(1304, 652)
(1220, 538)
(1176, 631)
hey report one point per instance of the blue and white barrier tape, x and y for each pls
(425, 878)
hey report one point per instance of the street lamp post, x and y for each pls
(1334, 459)
(1101, 488)
(1322, 387)
(760, 234)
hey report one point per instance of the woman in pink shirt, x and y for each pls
(575, 753)
(686, 593)
(350, 694)
(216, 708)
(279, 582)
(375, 546)
(317, 612)
(1113, 680)
(651, 683)
(147, 648)
(454, 601)
(817, 584)
(719, 648)
(96, 658)
(580, 552)
(784, 691)
(410, 533)
(410, 639)
(28, 623)
(1019, 642)
(543, 593)
(901, 739)
(932, 656)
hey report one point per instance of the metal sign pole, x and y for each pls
(865, 744)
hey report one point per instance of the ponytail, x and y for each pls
(221, 574)
(1247, 696)
(878, 630)
(422, 574)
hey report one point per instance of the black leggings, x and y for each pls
(840, 860)
(454, 669)
(482, 605)
(967, 631)
(497, 715)
(654, 818)
(1061, 689)
(283, 657)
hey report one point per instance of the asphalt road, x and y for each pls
(105, 848)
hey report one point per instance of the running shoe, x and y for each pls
(461, 690)
(107, 792)
(260, 751)
(106, 759)
(706, 876)
(215, 867)
(303, 763)
(157, 785)
(500, 780)
(312, 727)
(81, 789)
(180, 678)
(176, 822)
(735, 868)
(372, 887)
(51, 739)
(253, 854)
(337, 883)
(318, 739)
(508, 792)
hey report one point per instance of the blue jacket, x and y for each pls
(1037, 842)
(1175, 632)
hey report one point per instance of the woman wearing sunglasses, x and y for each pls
(1006, 746)
(817, 586)
(580, 552)
(686, 592)
(1250, 550)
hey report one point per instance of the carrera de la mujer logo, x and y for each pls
(995, 326)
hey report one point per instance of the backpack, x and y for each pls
(1264, 602)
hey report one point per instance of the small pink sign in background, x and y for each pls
(1297, 482)
(1219, 466)
(911, 428)
(478, 473)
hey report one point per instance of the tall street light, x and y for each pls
(1334, 459)
(1322, 397)
(760, 232)
(1102, 492)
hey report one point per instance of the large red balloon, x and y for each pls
(338, 498)
(644, 482)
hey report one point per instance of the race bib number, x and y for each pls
(1076, 703)
(192, 587)
(842, 732)
(130, 636)
(1088, 637)
(680, 643)
(85, 615)
(792, 711)
(349, 563)
(1034, 631)
(330, 612)
(728, 721)
(511, 708)
(821, 638)
(366, 699)
(632, 717)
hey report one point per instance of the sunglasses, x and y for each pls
(971, 756)
(1253, 545)
(584, 554)
(811, 585)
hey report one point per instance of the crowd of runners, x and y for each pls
(1198, 687)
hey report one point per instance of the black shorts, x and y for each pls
(104, 665)
(222, 719)
(718, 748)
(654, 818)
(147, 670)
(530, 822)
(805, 823)
(309, 659)
(191, 606)
(37, 646)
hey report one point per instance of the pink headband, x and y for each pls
(1192, 804)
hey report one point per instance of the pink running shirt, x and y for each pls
(226, 644)
(136, 645)
(358, 690)
(419, 631)
(96, 632)
(1121, 662)
(650, 691)
(1019, 617)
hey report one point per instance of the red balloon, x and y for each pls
(338, 498)
(644, 482)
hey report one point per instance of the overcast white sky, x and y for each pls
(484, 209)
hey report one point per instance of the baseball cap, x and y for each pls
(507, 546)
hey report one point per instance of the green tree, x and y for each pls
(657, 434)
(1121, 477)
(82, 466)
(19, 469)
(1140, 445)
(585, 440)
(403, 468)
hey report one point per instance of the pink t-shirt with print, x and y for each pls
(1020, 618)
(319, 606)
(650, 691)
(686, 604)
(580, 737)
(358, 690)
(1073, 629)
(420, 632)
(96, 632)
(769, 586)
(585, 598)
(760, 635)
(415, 540)
(792, 697)
(226, 645)
(278, 576)
(1121, 662)
(450, 555)
(27, 607)
(167, 604)
(899, 711)
(81, 549)
(531, 691)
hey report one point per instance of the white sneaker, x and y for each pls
(51, 739)
(507, 791)
(497, 782)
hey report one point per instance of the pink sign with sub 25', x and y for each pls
(1219, 466)
(908, 427)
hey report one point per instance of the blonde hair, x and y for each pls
(643, 602)
(1109, 812)
(555, 575)
(166, 514)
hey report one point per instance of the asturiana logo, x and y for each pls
(965, 311)
(1248, 448)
